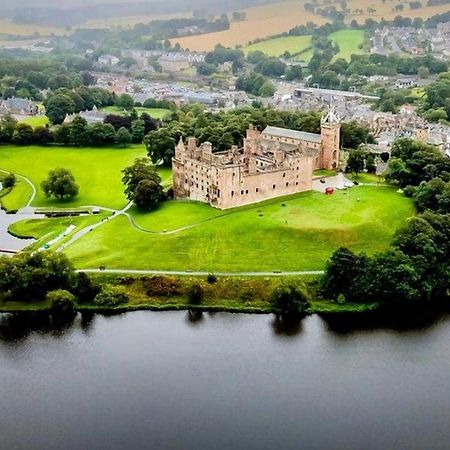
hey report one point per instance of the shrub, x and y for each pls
(211, 279)
(159, 286)
(111, 296)
(61, 301)
(247, 296)
(195, 294)
(86, 289)
(288, 299)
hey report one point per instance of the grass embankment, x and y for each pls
(290, 234)
(45, 230)
(156, 113)
(97, 171)
(231, 294)
(277, 46)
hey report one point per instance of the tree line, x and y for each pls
(416, 269)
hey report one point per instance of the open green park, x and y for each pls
(295, 233)
(350, 42)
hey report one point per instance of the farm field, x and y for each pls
(349, 42)
(261, 21)
(156, 113)
(384, 10)
(293, 233)
(11, 28)
(277, 46)
(97, 171)
(130, 21)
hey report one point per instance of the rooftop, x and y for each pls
(292, 134)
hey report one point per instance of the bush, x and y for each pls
(9, 181)
(286, 300)
(195, 294)
(247, 296)
(159, 286)
(61, 301)
(86, 290)
(111, 296)
(211, 279)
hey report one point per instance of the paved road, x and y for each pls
(194, 273)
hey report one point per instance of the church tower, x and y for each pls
(331, 133)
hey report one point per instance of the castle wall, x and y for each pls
(253, 188)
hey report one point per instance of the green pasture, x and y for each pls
(294, 233)
(97, 172)
(349, 42)
(277, 46)
(36, 121)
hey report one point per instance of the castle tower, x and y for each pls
(330, 132)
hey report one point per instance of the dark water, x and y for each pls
(166, 381)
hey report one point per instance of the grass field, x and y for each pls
(261, 21)
(349, 42)
(277, 46)
(36, 121)
(18, 197)
(96, 170)
(156, 113)
(7, 27)
(295, 233)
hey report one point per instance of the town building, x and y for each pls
(19, 106)
(271, 163)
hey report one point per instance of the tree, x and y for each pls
(78, 131)
(43, 136)
(60, 184)
(138, 131)
(125, 101)
(195, 294)
(143, 184)
(58, 106)
(353, 135)
(29, 276)
(123, 137)
(267, 89)
(355, 162)
(288, 300)
(85, 288)
(160, 146)
(370, 164)
(23, 134)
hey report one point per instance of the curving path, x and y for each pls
(28, 181)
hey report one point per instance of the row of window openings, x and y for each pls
(274, 186)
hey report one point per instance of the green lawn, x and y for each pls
(97, 172)
(349, 42)
(156, 113)
(300, 235)
(277, 46)
(36, 121)
(18, 197)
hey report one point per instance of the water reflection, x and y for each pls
(194, 317)
(289, 326)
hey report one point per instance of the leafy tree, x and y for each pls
(58, 106)
(60, 184)
(102, 134)
(353, 135)
(195, 294)
(125, 101)
(85, 288)
(370, 164)
(23, 134)
(79, 131)
(288, 300)
(7, 127)
(355, 162)
(143, 184)
(160, 146)
(138, 131)
(123, 137)
(43, 136)
(9, 181)
(28, 277)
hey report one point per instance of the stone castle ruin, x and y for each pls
(271, 163)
